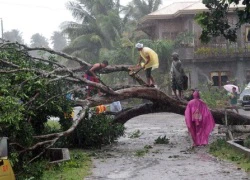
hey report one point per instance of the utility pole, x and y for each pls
(2, 26)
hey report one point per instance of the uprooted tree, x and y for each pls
(32, 89)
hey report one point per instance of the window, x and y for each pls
(219, 78)
(170, 35)
(247, 34)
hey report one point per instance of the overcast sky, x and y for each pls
(38, 16)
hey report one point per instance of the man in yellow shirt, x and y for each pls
(151, 62)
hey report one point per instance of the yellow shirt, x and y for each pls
(154, 62)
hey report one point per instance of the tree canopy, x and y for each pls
(59, 41)
(38, 40)
(13, 36)
(215, 22)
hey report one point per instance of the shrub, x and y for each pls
(162, 140)
(214, 97)
(94, 132)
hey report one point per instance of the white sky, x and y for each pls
(38, 16)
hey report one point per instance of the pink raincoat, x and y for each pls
(199, 120)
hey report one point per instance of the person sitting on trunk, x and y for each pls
(91, 75)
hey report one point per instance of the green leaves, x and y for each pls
(11, 111)
(216, 23)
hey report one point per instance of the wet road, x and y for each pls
(174, 161)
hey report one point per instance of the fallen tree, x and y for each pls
(31, 83)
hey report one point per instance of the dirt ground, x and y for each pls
(173, 161)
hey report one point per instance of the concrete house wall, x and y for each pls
(234, 61)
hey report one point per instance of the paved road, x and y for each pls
(247, 113)
(173, 161)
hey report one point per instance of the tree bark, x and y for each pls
(234, 128)
(160, 102)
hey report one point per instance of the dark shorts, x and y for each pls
(148, 72)
(91, 78)
(177, 85)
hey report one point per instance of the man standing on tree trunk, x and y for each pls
(176, 74)
(151, 62)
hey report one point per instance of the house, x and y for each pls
(218, 61)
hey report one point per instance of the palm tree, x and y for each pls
(58, 40)
(98, 26)
(139, 8)
(134, 11)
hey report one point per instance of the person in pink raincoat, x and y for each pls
(199, 120)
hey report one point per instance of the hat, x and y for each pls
(175, 54)
(139, 45)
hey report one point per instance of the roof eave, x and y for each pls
(179, 13)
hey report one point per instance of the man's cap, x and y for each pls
(139, 45)
(175, 54)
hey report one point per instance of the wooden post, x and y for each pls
(230, 135)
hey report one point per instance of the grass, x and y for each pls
(222, 150)
(77, 168)
(142, 152)
(162, 140)
(135, 134)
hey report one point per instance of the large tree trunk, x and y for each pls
(160, 102)
(234, 128)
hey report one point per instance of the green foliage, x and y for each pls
(144, 151)
(13, 36)
(208, 51)
(27, 100)
(214, 97)
(222, 150)
(184, 39)
(136, 9)
(52, 127)
(100, 27)
(215, 22)
(141, 152)
(38, 40)
(136, 134)
(94, 132)
(247, 142)
(77, 167)
(58, 40)
(162, 140)
(33, 171)
(11, 111)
